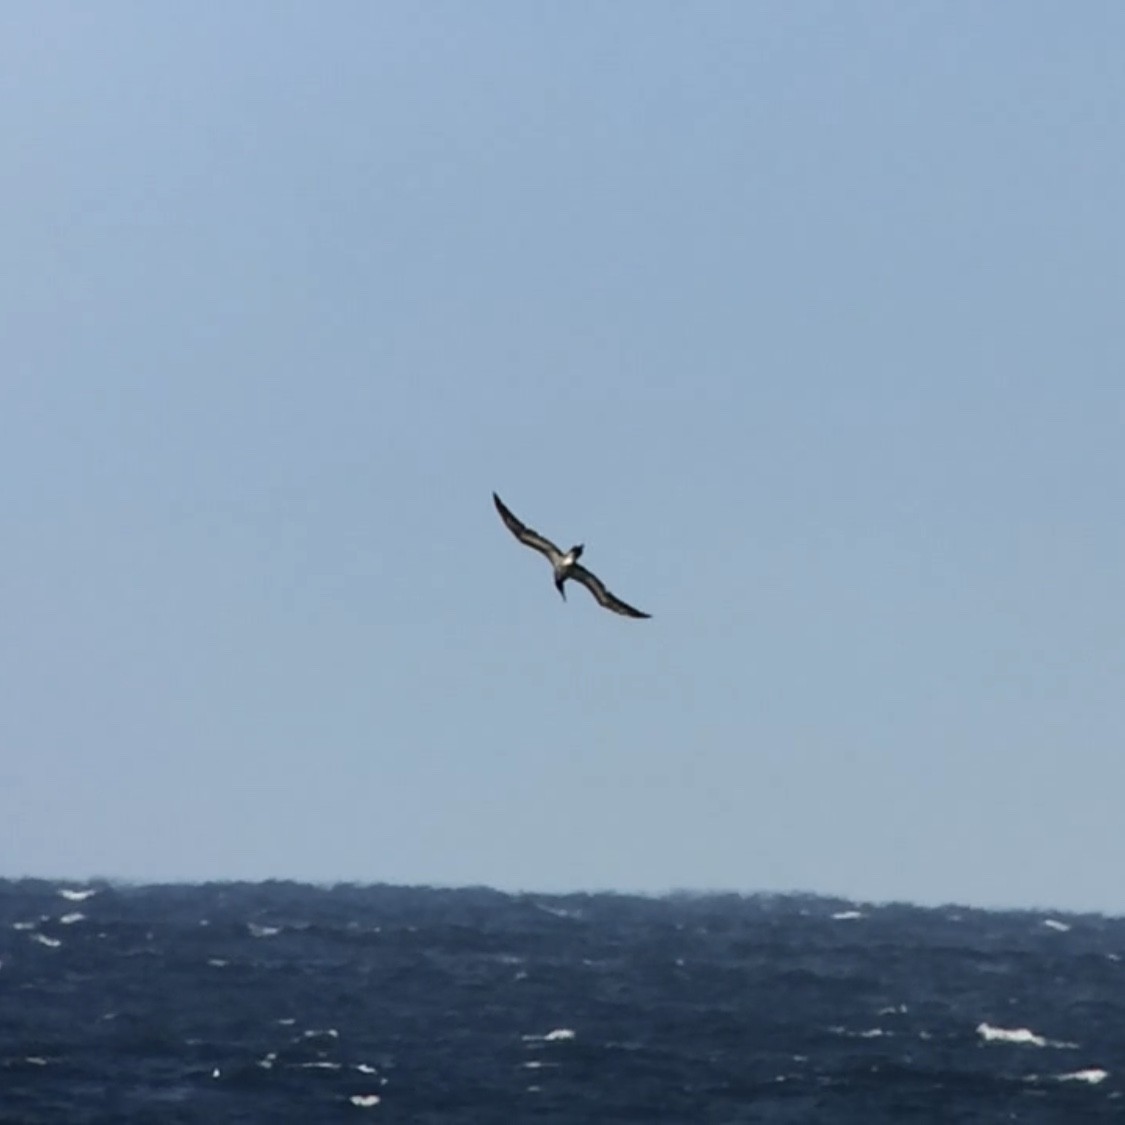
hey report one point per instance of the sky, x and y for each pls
(805, 318)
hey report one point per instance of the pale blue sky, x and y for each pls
(805, 318)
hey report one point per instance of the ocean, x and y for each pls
(280, 1002)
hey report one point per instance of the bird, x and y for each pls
(565, 563)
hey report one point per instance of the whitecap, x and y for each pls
(365, 1101)
(846, 915)
(1093, 1075)
(217, 962)
(71, 918)
(558, 911)
(363, 1068)
(537, 1064)
(36, 1060)
(24, 925)
(1014, 1035)
(262, 931)
(557, 1035)
(49, 942)
(1054, 924)
(870, 1033)
(314, 1033)
(76, 895)
(324, 1065)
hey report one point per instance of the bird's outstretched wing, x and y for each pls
(524, 533)
(597, 587)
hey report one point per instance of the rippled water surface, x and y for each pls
(279, 1002)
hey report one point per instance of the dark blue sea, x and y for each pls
(279, 1002)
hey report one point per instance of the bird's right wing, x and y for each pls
(603, 597)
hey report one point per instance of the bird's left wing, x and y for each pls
(525, 534)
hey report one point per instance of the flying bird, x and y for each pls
(565, 564)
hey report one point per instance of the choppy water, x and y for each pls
(286, 1003)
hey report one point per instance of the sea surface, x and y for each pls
(280, 1002)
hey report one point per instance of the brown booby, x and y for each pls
(564, 563)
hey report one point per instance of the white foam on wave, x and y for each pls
(1023, 1036)
(870, 1033)
(1092, 1075)
(49, 942)
(365, 1101)
(559, 1034)
(846, 915)
(262, 931)
(1056, 925)
(24, 925)
(323, 1065)
(76, 895)
(217, 962)
(558, 911)
(72, 917)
